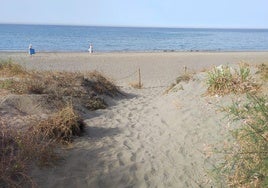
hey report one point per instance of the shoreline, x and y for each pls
(139, 52)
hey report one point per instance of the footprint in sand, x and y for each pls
(133, 168)
(127, 145)
(133, 157)
(147, 180)
(119, 157)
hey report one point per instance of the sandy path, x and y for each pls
(145, 140)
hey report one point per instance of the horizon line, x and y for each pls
(133, 26)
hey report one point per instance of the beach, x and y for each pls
(157, 68)
(147, 137)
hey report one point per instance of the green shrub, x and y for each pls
(223, 80)
(246, 160)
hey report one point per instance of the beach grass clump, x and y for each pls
(12, 166)
(62, 126)
(100, 84)
(19, 149)
(185, 77)
(8, 68)
(94, 103)
(246, 160)
(62, 86)
(13, 85)
(224, 80)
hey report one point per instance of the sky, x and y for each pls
(143, 13)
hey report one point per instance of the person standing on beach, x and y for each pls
(90, 49)
(31, 50)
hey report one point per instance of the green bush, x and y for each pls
(222, 81)
(246, 161)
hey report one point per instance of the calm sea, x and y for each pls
(109, 39)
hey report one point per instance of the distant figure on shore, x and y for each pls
(31, 50)
(90, 49)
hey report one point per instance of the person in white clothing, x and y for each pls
(90, 49)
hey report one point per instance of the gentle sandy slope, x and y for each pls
(145, 140)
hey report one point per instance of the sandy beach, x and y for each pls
(146, 138)
(156, 68)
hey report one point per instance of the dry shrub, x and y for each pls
(13, 85)
(246, 160)
(63, 86)
(55, 84)
(62, 126)
(20, 148)
(223, 80)
(17, 151)
(100, 84)
(12, 165)
(94, 103)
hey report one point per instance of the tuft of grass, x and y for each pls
(246, 160)
(222, 81)
(185, 77)
(20, 148)
(100, 84)
(62, 126)
(94, 103)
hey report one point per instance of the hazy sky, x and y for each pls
(161, 13)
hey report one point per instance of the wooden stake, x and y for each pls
(139, 78)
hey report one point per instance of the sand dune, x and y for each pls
(146, 138)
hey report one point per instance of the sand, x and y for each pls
(147, 138)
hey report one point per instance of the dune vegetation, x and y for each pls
(38, 141)
(245, 161)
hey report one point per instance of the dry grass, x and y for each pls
(13, 171)
(223, 80)
(246, 159)
(19, 149)
(61, 126)
(100, 84)
(61, 86)
(94, 103)
(185, 77)
(8, 68)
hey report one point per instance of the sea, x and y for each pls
(59, 38)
